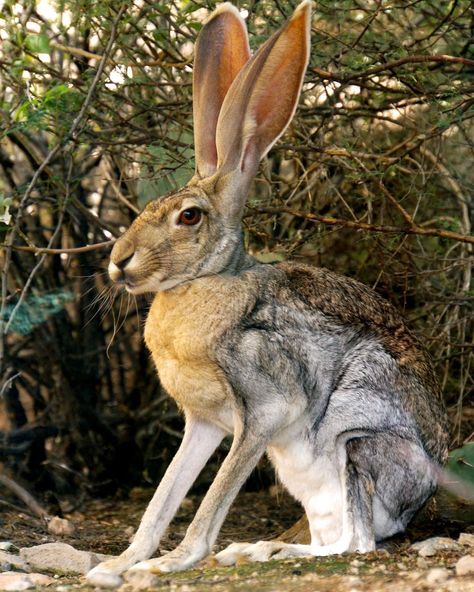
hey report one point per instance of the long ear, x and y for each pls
(263, 98)
(222, 49)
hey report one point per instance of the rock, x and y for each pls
(465, 565)
(465, 538)
(23, 581)
(6, 546)
(9, 561)
(61, 526)
(430, 547)
(60, 557)
(457, 585)
(140, 580)
(421, 563)
(436, 575)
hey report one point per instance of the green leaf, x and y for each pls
(461, 463)
(37, 43)
(270, 257)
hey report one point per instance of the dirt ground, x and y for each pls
(106, 526)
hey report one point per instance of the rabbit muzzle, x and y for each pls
(121, 263)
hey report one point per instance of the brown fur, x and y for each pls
(354, 303)
(181, 331)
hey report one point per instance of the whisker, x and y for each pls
(97, 297)
(116, 326)
(136, 309)
(111, 297)
(106, 297)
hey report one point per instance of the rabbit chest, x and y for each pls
(181, 331)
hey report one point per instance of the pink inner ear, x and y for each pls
(250, 159)
(221, 52)
(277, 91)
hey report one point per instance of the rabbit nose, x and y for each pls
(122, 263)
(121, 255)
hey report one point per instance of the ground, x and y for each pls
(105, 526)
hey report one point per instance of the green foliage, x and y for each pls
(35, 310)
(5, 215)
(52, 110)
(461, 463)
(37, 43)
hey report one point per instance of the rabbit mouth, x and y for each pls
(155, 283)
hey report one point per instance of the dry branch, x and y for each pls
(411, 229)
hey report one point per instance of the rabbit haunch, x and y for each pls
(312, 368)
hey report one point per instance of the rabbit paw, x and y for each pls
(106, 574)
(238, 552)
(177, 560)
(261, 551)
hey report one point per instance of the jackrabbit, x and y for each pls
(313, 368)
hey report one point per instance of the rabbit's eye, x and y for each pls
(190, 217)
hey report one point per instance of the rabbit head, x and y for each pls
(241, 106)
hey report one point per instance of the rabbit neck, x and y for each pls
(182, 329)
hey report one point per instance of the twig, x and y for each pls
(77, 51)
(71, 251)
(415, 59)
(405, 215)
(8, 382)
(26, 497)
(415, 229)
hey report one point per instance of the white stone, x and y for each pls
(8, 559)
(140, 580)
(465, 565)
(430, 547)
(61, 558)
(436, 575)
(6, 546)
(465, 538)
(22, 581)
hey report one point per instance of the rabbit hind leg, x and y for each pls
(401, 474)
(336, 498)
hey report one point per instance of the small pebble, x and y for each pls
(15, 581)
(61, 527)
(437, 575)
(465, 538)
(431, 546)
(401, 566)
(141, 580)
(465, 565)
(8, 561)
(421, 563)
(7, 546)
(187, 504)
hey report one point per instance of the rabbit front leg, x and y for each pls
(246, 450)
(200, 440)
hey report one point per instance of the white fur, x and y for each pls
(200, 440)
